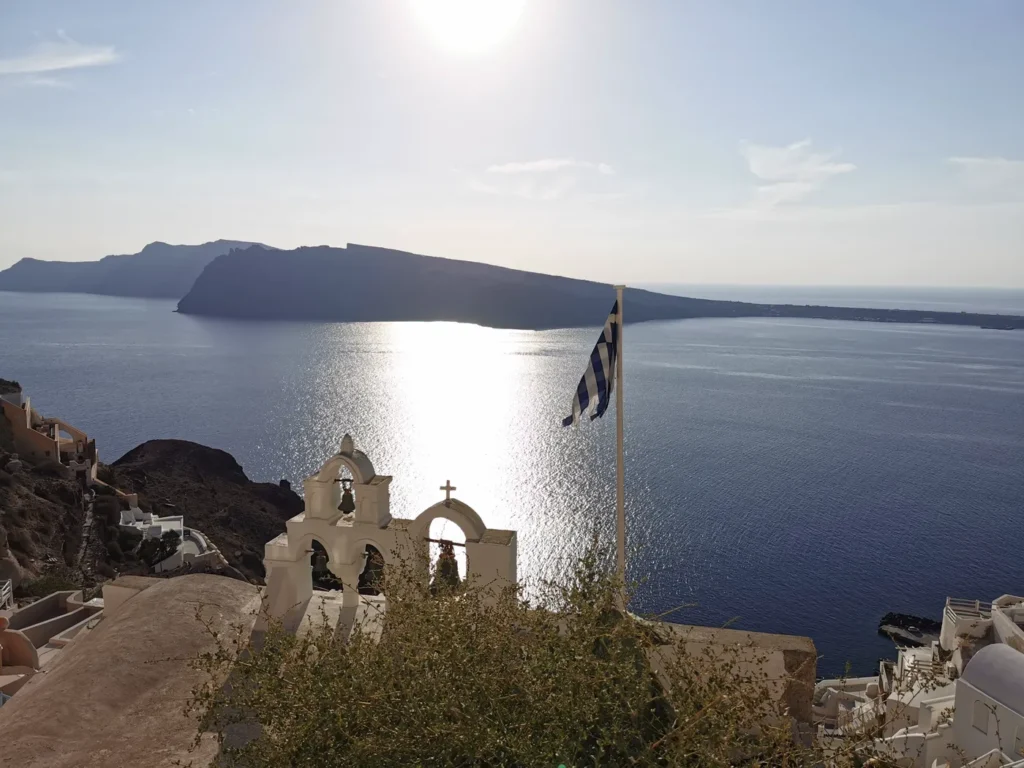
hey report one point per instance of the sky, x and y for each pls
(800, 143)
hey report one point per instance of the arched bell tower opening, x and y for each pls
(320, 564)
(371, 580)
(345, 539)
(447, 552)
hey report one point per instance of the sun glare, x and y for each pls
(468, 26)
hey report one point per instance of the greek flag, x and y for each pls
(594, 392)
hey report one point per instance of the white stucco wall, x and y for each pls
(1004, 725)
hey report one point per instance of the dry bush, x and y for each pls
(56, 579)
(51, 468)
(455, 680)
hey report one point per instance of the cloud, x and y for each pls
(54, 56)
(545, 180)
(487, 189)
(990, 172)
(35, 81)
(547, 189)
(550, 164)
(793, 172)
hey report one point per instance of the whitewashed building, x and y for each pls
(958, 702)
(194, 548)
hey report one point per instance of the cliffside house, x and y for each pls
(38, 438)
(193, 549)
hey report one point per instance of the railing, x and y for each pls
(969, 608)
(203, 543)
(6, 593)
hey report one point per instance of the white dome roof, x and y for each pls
(998, 671)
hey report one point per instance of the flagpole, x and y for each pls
(620, 495)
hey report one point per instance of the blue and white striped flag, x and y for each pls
(594, 392)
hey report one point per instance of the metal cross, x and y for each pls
(448, 488)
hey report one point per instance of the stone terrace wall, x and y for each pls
(790, 662)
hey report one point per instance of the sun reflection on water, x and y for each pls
(432, 402)
(450, 385)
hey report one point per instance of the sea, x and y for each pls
(792, 476)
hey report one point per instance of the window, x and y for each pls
(981, 712)
(1018, 747)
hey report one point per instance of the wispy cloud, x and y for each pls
(35, 81)
(547, 165)
(990, 172)
(61, 54)
(792, 172)
(545, 180)
(547, 189)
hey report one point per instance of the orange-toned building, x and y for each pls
(37, 438)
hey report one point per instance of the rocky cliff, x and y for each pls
(41, 520)
(157, 271)
(47, 536)
(208, 487)
(366, 284)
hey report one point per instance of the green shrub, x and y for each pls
(51, 468)
(107, 509)
(170, 540)
(114, 551)
(21, 541)
(151, 551)
(66, 494)
(55, 580)
(454, 680)
(129, 539)
(45, 493)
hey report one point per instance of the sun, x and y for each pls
(468, 26)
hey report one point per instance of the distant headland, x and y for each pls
(158, 271)
(361, 283)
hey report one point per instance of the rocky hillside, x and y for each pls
(49, 541)
(41, 521)
(210, 489)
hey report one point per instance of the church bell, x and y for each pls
(348, 503)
